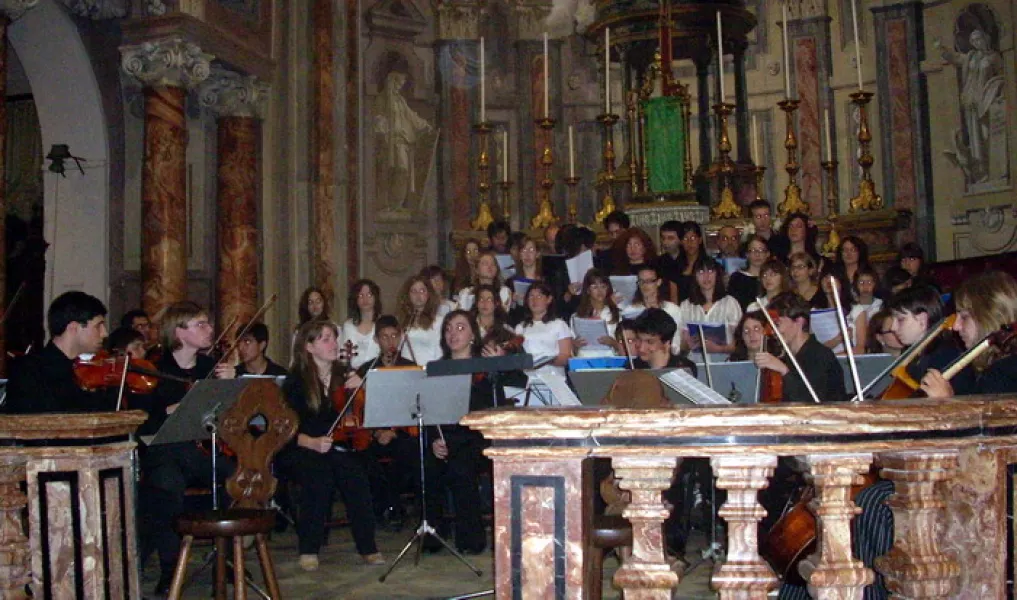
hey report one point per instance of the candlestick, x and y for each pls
(833, 240)
(484, 217)
(720, 59)
(483, 97)
(867, 198)
(572, 181)
(607, 205)
(792, 193)
(504, 155)
(755, 141)
(545, 214)
(572, 154)
(759, 171)
(858, 49)
(607, 70)
(787, 55)
(726, 208)
(829, 139)
(547, 82)
(505, 186)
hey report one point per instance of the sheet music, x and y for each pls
(591, 330)
(626, 286)
(714, 332)
(560, 389)
(824, 324)
(696, 391)
(733, 264)
(520, 286)
(506, 264)
(632, 312)
(579, 265)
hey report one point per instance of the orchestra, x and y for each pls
(765, 312)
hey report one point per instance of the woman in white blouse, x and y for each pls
(596, 302)
(648, 295)
(488, 273)
(418, 308)
(489, 313)
(544, 336)
(439, 283)
(708, 302)
(364, 306)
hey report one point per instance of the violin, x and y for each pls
(103, 370)
(903, 385)
(348, 428)
(769, 383)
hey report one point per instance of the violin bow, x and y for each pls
(706, 357)
(759, 372)
(14, 300)
(222, 334)
(791, 355)
(908, 356)
(847, 341)
(236, 340)
(123, 381)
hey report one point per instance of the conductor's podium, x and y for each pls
(951, 462)
(78, 472)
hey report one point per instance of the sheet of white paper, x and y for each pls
(558, 385)
(696, 391)
(520, 287)
(579, 265)
(733, 265)
(824, 324)
(506, 264)
(590, 330)
(626, 285)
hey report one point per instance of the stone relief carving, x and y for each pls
(230, 94)
(97, 10)
(170, 62)
(458, 20)
(155, 8)
(980, 144)
(395, 254)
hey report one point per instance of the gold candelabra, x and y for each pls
(726, 208)
(759, 171)
(867, 198)
(484, 216)
(506, 197)
(607, 205)
(792, 193)
(572, 181)
(545, 214)
(833, 240)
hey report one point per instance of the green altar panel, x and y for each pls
(665, 144)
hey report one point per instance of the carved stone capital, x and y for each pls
(230, 94)
(167, 62)
(531, 19)
(459, 20)
(13, 9)
(97, 10)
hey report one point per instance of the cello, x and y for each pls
(769, 385)
(903, 385)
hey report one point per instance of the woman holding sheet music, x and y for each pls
(488, 273)
(596, 302)
(648, 295)
(744, 285)
(545, 337)
(709, 303)
(854, 314)
(529, 268)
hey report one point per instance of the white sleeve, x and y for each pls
(563, 331)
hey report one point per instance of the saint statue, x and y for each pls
(400, 132)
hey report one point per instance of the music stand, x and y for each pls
(411, 398)
(492, 365)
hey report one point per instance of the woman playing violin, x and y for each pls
(314, 461)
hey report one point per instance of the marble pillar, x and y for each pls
(810, 51)
(323, 185)
(238, 103)
(743, 575)
(167, 68)
(14, 553)
(646, 574)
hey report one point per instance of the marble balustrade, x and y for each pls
(75, 475)
(951, 460)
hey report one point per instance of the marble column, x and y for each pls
(916, 566)
(744, 575)
(323, 176)
(15, 559)
(646, 574)
(238, 103)
(167, 68)
(832, 572)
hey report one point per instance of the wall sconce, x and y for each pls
(58, 154)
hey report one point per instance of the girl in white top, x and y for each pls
(529, 266)
(855, 316)
(488, 273)
(774, 278)
(648, 296)
(708, 302)
(439, 283)
(418, 306)
(492, 320)
(364, 306)
(596, 302)
(544, 336)
(865, 291)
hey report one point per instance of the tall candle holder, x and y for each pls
(506, 197)
(759, 171)
(572, 182)
(545, 214)
(727, 208)
(792, 193)
(484, 216)
(867, 198)
(607, 205)
(833, 240)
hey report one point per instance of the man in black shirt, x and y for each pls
(251, 349)
(655, 330)
(818, 363)
(44, 381)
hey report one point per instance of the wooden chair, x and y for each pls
(251, 487)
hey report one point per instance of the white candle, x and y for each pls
(829, 141)
(720, 59)
(547, 82)
(483, 97)
(787, 56)
(607, 70)
(504, 155)
(755, 141)
(572, 155)
(858, 50)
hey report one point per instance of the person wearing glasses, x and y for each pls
(745, 285)
(596, 302)
(804, 279)
(727, 242)
(648, 295)
(774, 279)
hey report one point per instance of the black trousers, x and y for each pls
(320, 476)
(401, 473)
(458, 474)
(167, 471)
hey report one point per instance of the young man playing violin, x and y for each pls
(168, 469)
(44, 381)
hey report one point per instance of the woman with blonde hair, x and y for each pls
(418, 313)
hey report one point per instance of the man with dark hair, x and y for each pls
(251, 350)
(139, 321)
(818, 363)
(615, 223)
(498, 233)
(762, 220)
(44, 381)
(915, 310)
(655, 330)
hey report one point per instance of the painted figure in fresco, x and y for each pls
(982, 95)
(400, 130)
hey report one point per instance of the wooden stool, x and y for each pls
(251, 487)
